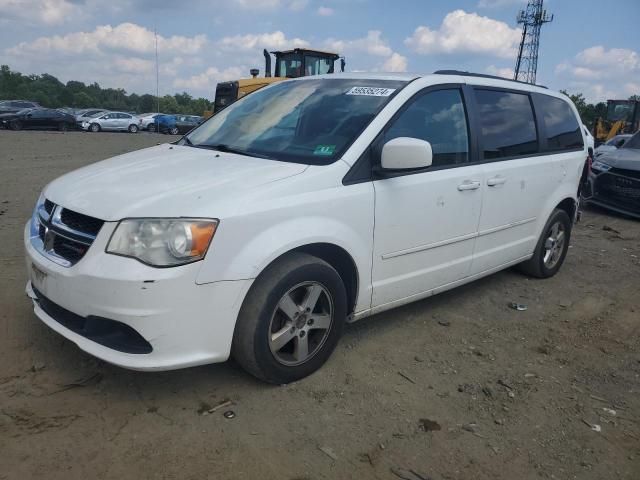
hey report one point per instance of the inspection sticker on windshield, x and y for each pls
(326, 150)
(371, 91)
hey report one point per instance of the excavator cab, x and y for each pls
(299, 62)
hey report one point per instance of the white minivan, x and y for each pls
(307, 204)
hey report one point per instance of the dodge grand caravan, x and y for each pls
(310, 203)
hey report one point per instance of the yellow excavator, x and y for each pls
(623, 116)
(299, 62)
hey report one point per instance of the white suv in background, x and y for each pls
(307, 204)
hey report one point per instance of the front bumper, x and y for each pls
(184, 323)
(613, 191)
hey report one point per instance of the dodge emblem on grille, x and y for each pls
(48, 239)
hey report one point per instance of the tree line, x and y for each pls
(50, 92)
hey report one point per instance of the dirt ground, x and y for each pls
(459, 386)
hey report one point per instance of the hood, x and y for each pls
(166, 181)
(625, 158)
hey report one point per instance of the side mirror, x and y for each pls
(404, 153)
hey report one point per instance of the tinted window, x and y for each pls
(439, 118)
(124, 115)
(562, 127)
(507, 124)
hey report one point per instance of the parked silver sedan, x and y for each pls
(112, 121)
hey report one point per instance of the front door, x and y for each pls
(426, 222)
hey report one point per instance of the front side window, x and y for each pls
(439, 118)
(317, 65)
(508, 128)
(307, 121)
(561, 125)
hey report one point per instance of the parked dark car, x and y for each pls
(614, 179)
(12, 106)
(186, 123)
(38, 118)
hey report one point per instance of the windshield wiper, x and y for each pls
(222, 147)
(187, 141)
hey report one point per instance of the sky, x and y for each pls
(586, 49)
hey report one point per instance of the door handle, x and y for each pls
(498, 180)
(469, 185)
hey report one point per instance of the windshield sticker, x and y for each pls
(325, 150)
(371, 91)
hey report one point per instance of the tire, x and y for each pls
(63, 127)
(151, 127)
(94, 127)
(15, 125)
(174, 131)
(295, 276)
(550, 252)
(133, 128)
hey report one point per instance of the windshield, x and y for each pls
(633, 142)
(310, 121)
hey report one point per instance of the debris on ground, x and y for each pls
(444, 323)
(427, 425)
(225, 403)
(408, 474)
(229, 414)
(521, 307)
(610, 411)
(329, 453)
(406, 377)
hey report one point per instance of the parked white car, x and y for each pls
(589, 140)
(307, 204)
(112, 121)
(147, 121)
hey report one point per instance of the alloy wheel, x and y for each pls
(301, 323)
(554, 245)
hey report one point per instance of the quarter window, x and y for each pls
(439, 118)
(508, 127)
(562, 127)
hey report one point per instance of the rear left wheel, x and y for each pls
(291, 319)
(552, 247)
(15, 125)
(174, 131)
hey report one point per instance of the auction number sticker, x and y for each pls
(371, 91)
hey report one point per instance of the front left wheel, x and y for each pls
(133, 128)
(291, 319)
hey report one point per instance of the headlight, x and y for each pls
(163, 242)
(35, 218)
(600, 166)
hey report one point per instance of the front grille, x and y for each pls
(620, 191)
(63, 235)
(48, 206)
(626, 173)
(110, 333)
(81, 223)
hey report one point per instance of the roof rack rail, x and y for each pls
(481, 75)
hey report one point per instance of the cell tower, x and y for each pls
(532, 19)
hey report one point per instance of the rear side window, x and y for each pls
(561, 125)
(508, 127)
(439, 118)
